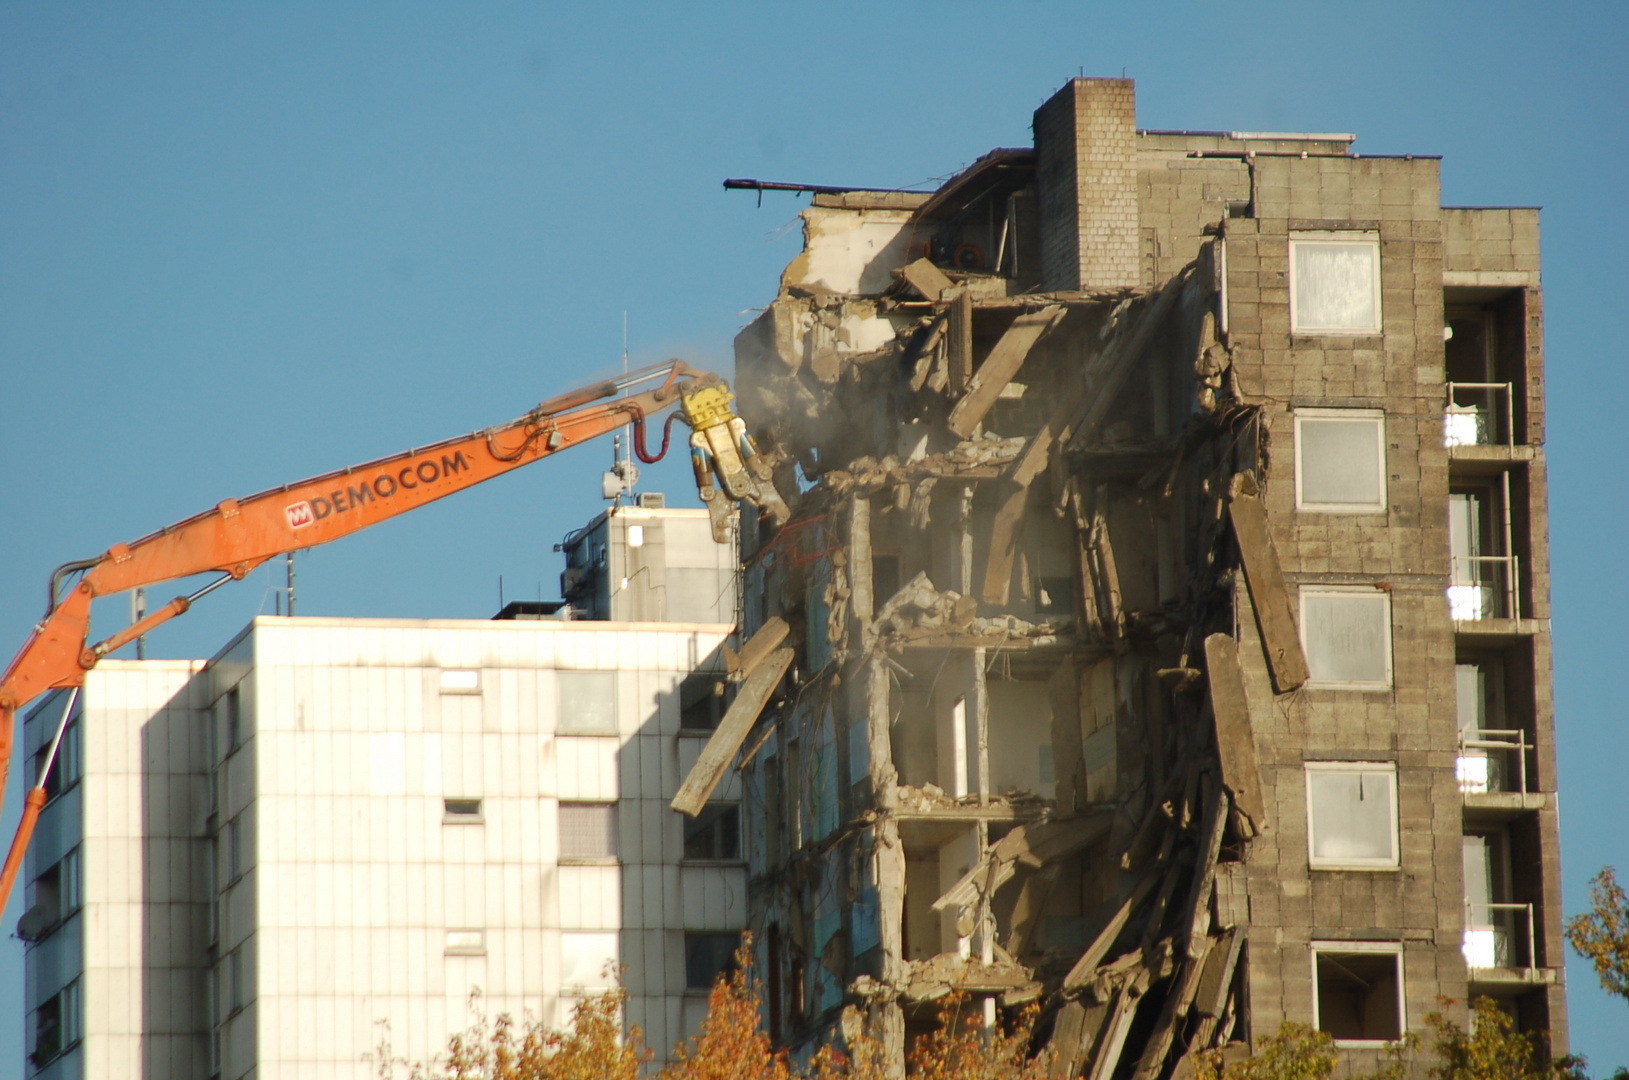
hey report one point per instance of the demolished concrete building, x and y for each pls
(1161, 633)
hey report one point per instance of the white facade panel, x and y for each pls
(349, 872)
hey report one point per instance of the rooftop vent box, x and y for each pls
(652, 500)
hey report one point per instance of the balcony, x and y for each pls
(1483, 587)
(1478, 414)
(1499, 947)
(1494, 760)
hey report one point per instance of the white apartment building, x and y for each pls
(250, 867)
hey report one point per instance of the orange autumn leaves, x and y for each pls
(731, 1045)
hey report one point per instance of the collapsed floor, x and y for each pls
(1012, 756)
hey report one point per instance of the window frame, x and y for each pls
(562, 859)
(1307, 592)
(465, 681)
(716, 697)
(1326, 238)
(1323, 863)
(449, 816)
(695, 936)
(69, 1003)
(716, 823)
(475, 947)
(1395, 948)
(561, 727)
(68, 768)
(1317, 413)
(586, 989)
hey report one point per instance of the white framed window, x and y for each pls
(1335, 283)
(1346, 635)
(588, 832)
(1340, 460)
(1357, 991)
(1352, 815)
(587, 701)
(462, 812)
(460, 681)
(588, 961)
(466, 942)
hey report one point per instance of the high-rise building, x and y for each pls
(1169, 590)
(327, 836)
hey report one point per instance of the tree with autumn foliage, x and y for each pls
(732, 1046)
(962, 1048)
(1494, 1050)
(1295, 1052)
(593, 1048)
(1601, 935)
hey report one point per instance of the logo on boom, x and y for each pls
(300, 515)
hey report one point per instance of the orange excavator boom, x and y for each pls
(238, 535)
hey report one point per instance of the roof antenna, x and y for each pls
(624, 474)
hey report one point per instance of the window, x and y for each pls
(1351, 815)
(1347, 637)
(773, 802)
(237, 980)
(1493, 930)
(588, 961)
(461, 812)
(1490, 754)
(701, 701)
(706, 957)
(466, 942)
(211, 874)
(237, 849)
(460, 682)
(213, 989)
(587, 701)
(1482, 584)
(66, 768)
(59, 1023)
(57, 895)
(1358, 995)
(588, 831)
(714, 835)
(1340, 460)
(1334, 283)
(231, 711)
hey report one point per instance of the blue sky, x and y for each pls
(240, 245)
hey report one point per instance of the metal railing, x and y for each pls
(1470, 418)
(1483, 763)
(1488, 941)
(1476, 591)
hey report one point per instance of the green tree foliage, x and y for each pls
(1296, 1052)
(1494, 1050)
(1601, 935)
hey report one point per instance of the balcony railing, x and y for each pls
(1485, 761)
(1473, 414)
(1493, 934)
(1483, 587)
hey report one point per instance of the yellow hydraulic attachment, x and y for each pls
(720, 445)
